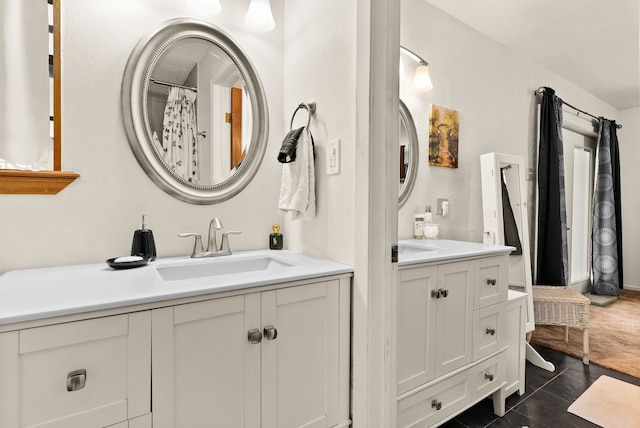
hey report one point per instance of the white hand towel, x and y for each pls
(297, 188)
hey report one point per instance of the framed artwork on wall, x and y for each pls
(444, 126)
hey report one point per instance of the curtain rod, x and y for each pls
(541, 90)
(160, 82)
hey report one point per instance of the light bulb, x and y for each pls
(259, 17)
(205, 7)
(422, 80)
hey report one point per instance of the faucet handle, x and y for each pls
(224, 245)
(197, 243)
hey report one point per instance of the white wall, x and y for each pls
(492, 89)
(629, 141)
(320, 65)
(94, 218)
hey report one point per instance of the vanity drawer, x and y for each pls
(427, 407)
(84, 374)
(488, 330)
(488, 376)
(491, 281)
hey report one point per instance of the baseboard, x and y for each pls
(632, 287)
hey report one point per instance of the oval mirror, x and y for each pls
(195, 111)
(409, 149)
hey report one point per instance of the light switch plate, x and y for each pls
(333, 157)
(439, 202)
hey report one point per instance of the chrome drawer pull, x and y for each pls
(254, 336)
(490, 331)
(489, 376)
(436, 404)
(270, 332)
(76, 380)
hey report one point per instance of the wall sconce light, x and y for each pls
(205, 7)
(421, 78)
(259, 17)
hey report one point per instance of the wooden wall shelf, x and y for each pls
(15, 182)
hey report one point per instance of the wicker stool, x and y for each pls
(563, 306)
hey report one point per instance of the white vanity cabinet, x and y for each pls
(270, 359)
(85, 374)
(450, 338)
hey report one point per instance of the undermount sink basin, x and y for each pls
(220, 266)
(412, 249)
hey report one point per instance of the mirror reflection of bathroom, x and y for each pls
(512, 217)
(506, 219)
(409, 154)
(404, 155)
(199, 78)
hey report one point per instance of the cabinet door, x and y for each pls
(206, 373)
(300, 362)
(84, 374)
(416, 316)
(453, 333)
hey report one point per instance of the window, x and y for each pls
(579, 159)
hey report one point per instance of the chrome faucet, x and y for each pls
(214, 226)
(213, 250)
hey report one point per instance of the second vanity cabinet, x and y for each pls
(271, 359)
(450, 337)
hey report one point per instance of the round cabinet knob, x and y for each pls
(435, 404)
(489, 377)
(490, 331)
(435, 294)
(444, 293)
(492, 281)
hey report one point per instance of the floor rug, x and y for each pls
(614, 335)
(610, 403)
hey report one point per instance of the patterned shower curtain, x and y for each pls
(607, 214)
(552, 262)
(179, 134)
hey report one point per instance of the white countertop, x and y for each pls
(32, 294)
(413, 251)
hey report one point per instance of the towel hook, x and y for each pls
(310, 107)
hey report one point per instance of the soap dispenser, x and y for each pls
(143, 244)
(275, 239)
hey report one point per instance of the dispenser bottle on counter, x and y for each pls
(143, 244)
(276, 240)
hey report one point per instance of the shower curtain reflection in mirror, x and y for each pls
(179, 141)
(26, 140)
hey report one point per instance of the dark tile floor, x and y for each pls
(546, 399)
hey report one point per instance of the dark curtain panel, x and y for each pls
(607, 215)
(511, 236)
(615, 166)
(552, 262)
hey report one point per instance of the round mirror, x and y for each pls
(195, 111)
(408, 154)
